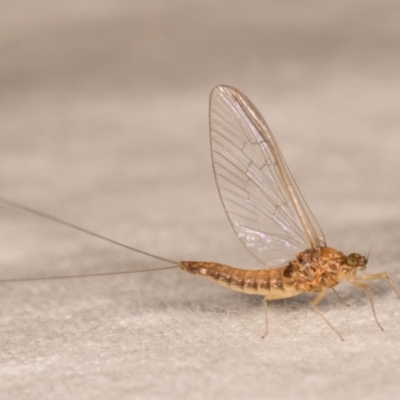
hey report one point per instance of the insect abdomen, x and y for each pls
(270, 283)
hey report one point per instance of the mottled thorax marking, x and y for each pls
(290, 270)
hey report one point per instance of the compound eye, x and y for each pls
(353, 260)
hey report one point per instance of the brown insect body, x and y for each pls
(267, 212)
(313, 270)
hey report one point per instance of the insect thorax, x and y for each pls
(315, 269)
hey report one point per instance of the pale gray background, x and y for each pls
(104, 122)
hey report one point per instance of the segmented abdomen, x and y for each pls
(267, 282)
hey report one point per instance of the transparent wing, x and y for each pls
(260, 197)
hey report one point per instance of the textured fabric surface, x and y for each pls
(104, 123)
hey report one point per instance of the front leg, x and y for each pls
(368, 290)
(355, 280)
(374, 277)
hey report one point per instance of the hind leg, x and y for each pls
(265, 307)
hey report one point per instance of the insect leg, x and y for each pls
(286, 305)
(265, 307)
(341, 300)
(314, 305)
(368, 290)
(373, 277)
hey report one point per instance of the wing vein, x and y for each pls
(261, 199)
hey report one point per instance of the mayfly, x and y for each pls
(267, 212)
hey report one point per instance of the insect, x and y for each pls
(267, 212)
